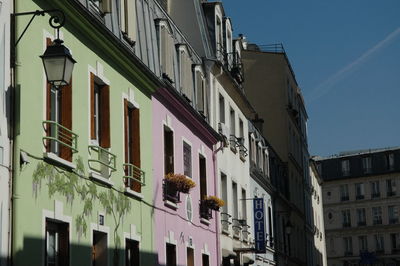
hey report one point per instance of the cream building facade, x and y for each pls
(361, 207)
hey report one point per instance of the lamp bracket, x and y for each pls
(56, 21)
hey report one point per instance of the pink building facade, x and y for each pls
(183, 143)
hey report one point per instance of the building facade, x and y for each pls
(85, 194)
(5, 119)
(317, 249)
(261, 187)
(361, 207)
(267, 70)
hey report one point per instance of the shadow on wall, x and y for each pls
(33, 253)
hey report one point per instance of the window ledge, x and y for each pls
(171, 204)
(204, 221)
(133, 193)
(58, 160)
(100, 179)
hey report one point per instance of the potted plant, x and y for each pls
(213, 202)
(179, 182)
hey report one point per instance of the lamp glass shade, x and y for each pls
(58, 64)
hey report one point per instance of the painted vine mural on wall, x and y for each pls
(76, 184)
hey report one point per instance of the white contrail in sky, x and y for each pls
(326, 85)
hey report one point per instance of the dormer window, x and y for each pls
(167, 51)
(127, 20)
(218, 38)
(185, 73)
(200, 90)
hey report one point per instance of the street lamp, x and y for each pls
(288, 227)
(57, 59)
(58, 63)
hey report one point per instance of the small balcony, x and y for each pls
(237, 226)
(60, 143)
(377, 221)
(344, 198)
(393, 220)
(348, 253)
(101, 161)
(233, 143)
(225, 222)
(134, 178)
(391, 193)
(360, 197)
(376, 195)
(242, 149)
(246, 232)
(362, 223)
(346, 224)
(205, 211)
(171, 193)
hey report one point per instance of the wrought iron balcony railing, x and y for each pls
(57, 135)
(225, 221)
(101, 160)
(134, 177)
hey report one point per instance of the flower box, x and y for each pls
(180, 182)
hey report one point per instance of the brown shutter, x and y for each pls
(92, 131)
(66, 121)
(104, 109)
(126, 121)
(135, 144)
(48, 106)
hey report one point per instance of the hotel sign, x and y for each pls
(259, 225)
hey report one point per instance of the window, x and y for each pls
(187, 159)
(127, 19)
(167, 53)
(395, 241)
(221, 109)
(375, 191)
(346, 218)
(224, 194)
(389, 161)
(57, 244)
(379, 242)
(59, 116)
(189, 256)
(235, 200)
(360, 191)
(345, 167)
(393, 212)
(218, 39)
(361, 217)
(348, 246)
(185, 73)
(205, 260)
(132, 257)
(100, 112)
(391, 187)
(202, 177)
(366, 162)
(377, 215)
(344, 192)
(168, 150)
(363, 243)
(243, 203)
(103, 6)
(253, 149)
(99, 249)
(232, 121)
(132, 146)
(200, 92)
(171, 254)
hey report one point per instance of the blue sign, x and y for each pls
(259, 225)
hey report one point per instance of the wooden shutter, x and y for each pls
(66, 121)
(126, 137)
(92, 122)
(135, 144)
(104, 117)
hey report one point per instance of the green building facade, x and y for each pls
(82, 185)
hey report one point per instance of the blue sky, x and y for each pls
(346, 56)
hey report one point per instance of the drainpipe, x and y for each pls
(12, 159)
(217, 218)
